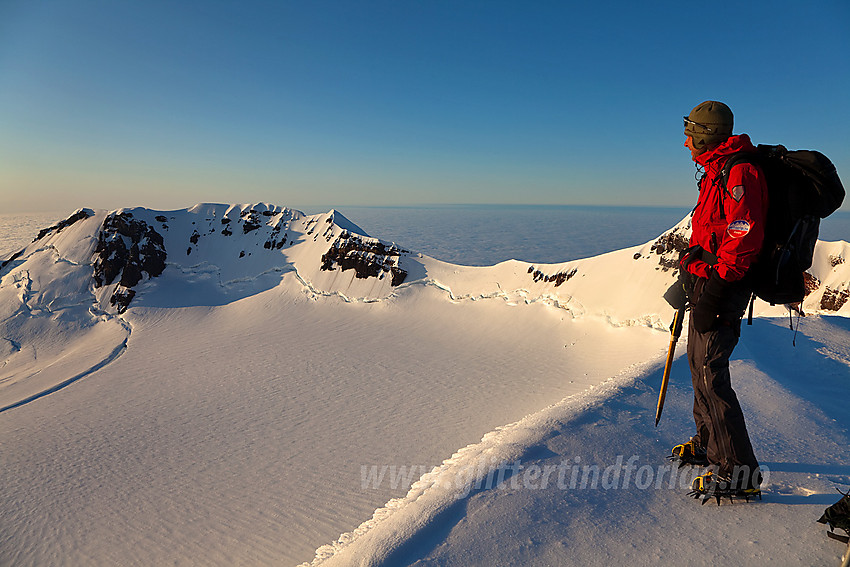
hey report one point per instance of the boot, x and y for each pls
(689, 453)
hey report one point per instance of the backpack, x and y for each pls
(803, 187)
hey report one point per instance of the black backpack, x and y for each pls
(803, 187)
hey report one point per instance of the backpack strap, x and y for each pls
(732, 161)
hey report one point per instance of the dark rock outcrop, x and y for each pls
(368, 258)
(57, 228)
(129, 248)
(275, 241)
(670, 247)
(11, 259)
(833, 299)
(557, 278)
(810, 283)
(251, 221)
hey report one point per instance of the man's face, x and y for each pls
(689, 143)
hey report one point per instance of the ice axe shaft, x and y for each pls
(675, 333)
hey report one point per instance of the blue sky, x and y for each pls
(164, 104)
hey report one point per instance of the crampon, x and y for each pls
(838, 516)
(689, 454)
(710, 485)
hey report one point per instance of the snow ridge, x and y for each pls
(214, 254)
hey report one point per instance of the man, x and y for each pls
(728, 230)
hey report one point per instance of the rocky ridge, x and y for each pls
(137, 245)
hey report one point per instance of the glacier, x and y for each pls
(207, 385)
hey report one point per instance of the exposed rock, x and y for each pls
(835, 260)
(251, 221)
(310, 226)
(130, 248)
(833, 299)
(557, 278)
(273, 243)
(121, 299)
(810, 282)
(669, 246)
(368, 258)
(57, 228)
(11, 259)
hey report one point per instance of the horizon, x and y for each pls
(319, 208)
(475, 234)
(338, 207)
(397, 103)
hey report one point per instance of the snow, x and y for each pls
(244, 406)
(645, 520)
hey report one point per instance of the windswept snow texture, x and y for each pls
(249, 385)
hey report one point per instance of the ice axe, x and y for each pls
(675, 333)
(678, 297)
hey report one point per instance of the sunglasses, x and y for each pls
(708, 129)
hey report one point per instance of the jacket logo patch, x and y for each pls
(738, 192)
(738, 228)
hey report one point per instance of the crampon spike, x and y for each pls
(719, 496)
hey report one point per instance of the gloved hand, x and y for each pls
(679, 294)
(676, 296)
(705, 313)
(691, 262)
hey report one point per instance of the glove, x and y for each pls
(704, 315)
(676, 296)
(692, 262)
(699, 269)
(692, 266)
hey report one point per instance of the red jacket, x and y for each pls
(729, 224)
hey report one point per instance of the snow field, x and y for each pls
(639, 521)
(253, 419)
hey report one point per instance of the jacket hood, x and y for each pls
(732, 145)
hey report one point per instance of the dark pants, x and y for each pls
(717, 413)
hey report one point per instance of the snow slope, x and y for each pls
(214, 385)
(464, 513)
